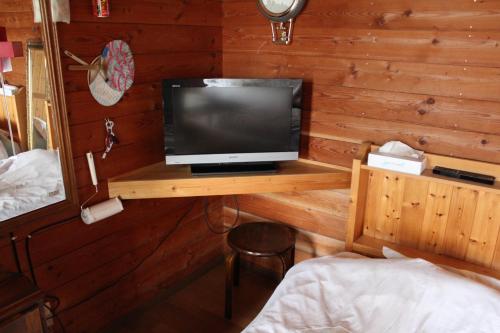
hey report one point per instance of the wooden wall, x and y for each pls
(17, 17)
(170, 38)
(422, 72)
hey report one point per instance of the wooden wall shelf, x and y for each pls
(429, 176)
(443, 220)
(162, 181)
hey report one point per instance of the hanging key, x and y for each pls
(111, 138)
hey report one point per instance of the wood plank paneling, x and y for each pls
(482, 241)
(158, 12)
(329, 151)
(151, 68)
(458, 15)
(372, 210)
(460, 221)
(89, 267)
(412, 212)
(422, 72)
(427, 214)
(301, 210)
(427, 110)
(17, 18)
(168, 39)
(436, 215)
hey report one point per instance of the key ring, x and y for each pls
(111, 138)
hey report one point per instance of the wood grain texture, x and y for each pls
(87, 267)
(458, 15)
(443, 220)
(437, 210)
(17, 18)
(412, 212)
(285, 207)
(422, 72)
(168, 181)
(168, 39)
(427, 215)
(481, 248)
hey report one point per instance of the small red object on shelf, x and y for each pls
(100, 8)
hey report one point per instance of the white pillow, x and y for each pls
(486, 280)
(392, 254)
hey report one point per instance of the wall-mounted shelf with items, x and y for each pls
(162, 181)
(443, 220)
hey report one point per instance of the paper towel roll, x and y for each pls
(101, 211)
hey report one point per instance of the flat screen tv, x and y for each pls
(228, 121)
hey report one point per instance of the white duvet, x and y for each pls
(29, 181)
(346, 294)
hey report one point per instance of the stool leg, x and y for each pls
(283, 265)
(236, 269)
(229, 285)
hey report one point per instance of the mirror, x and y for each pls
(281, 14)
(36, 168)
(40, 119)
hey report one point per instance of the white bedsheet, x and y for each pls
(29, 181)
(346, 294)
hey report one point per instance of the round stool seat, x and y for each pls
(261, 239)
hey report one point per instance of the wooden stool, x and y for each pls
(259, 239)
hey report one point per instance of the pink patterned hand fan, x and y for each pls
(119, 65)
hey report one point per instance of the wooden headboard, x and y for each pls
(442, 220)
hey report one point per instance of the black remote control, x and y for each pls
(465, 175)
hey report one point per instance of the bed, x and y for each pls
(353, 293)
(441, 241)
(29, 181)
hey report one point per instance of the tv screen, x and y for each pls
(231, 120)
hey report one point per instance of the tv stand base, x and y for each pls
(233, 168)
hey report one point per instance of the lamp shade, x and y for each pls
(11, 49)
(8, 50)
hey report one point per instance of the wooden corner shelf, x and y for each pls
(162, 181)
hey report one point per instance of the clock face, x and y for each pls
(277, 6)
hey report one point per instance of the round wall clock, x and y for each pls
(281, 10)
(281, 13)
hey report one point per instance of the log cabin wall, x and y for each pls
(422, 72)
(98, 271)
(17, 17)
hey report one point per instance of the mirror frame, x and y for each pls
(285, 16)
(70, 206)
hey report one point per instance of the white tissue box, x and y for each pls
(414, 166)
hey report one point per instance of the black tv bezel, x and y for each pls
(168, 85)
